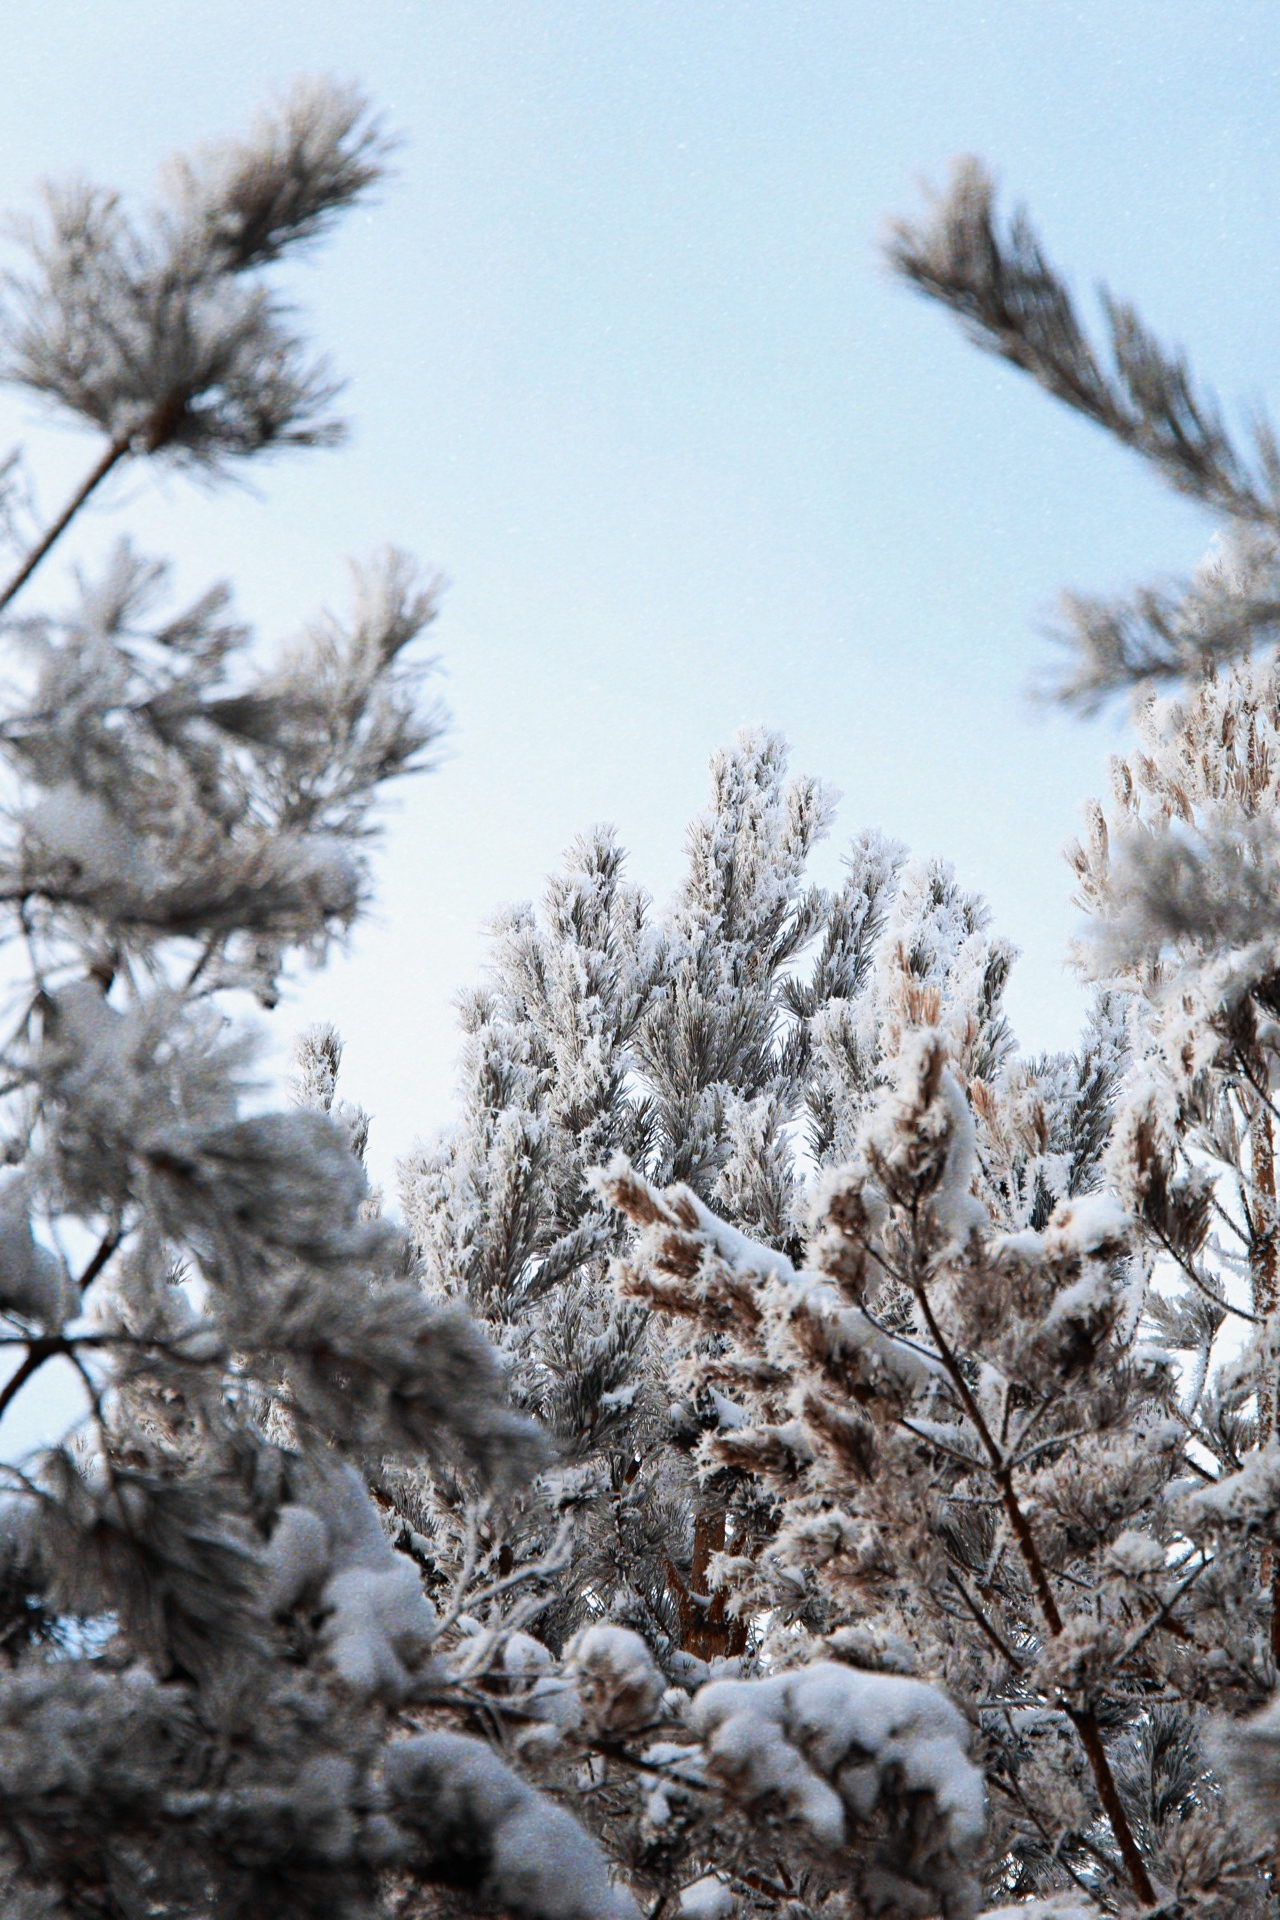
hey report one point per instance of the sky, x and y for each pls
(627, 369)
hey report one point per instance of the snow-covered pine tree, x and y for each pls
(206, 1634)
(977, 1423)
(940, 1405)
(1182, 885)
(582, 1001)
(701, 1046)
(1177, 887)
(746, 1040)
(1025, 1455)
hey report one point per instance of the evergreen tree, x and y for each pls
(945, 1334)
(1181, 886)
(208, 1638)
(695, 1045)
(745, 1040)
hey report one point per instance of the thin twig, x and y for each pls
(952, 1453)
(988, 1627)
(554, 1561)
(1033, 1420)
(1161, 1618)
(37, 1353)
(97, 474)
(106, 1247)
(1042, 1446)
(1200, 1284)
(1082, 1719)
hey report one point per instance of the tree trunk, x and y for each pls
(705, 1629)
(1264, 1262)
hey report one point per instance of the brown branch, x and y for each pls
(1085, 1723)
(115, 452)
(760, 1884)
(988, 1627)
(37, 1353)
(999, 1470)
(1082, 1719)
(106, 1247)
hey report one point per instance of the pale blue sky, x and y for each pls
(627, 369)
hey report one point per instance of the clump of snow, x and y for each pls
(1086, 1298)
(573, 1486)
(480, 1825)
(1086, 1223)
(1136, 1553)
(1057, 1907)
(689, 1672)
(617, 1681)
(523, 1656)
(378, 1623)
(956, 1209)
(736, 1249)
(706, 1899)
(669, 1753)
(830, 1743)
(1250, 1498)
(687, 1669)
(555, 1702)
(548, 1698)
(871, 1646)
(1026, 1244)
(922, 1136)
(1082, 1225)
(70, 828)
(297, 1557)
(33, 1281)
(730, 1415)
(657, 1805)
(849, 1335)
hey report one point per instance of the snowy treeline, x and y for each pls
(796, 1453)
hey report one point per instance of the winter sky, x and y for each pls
(627, 369)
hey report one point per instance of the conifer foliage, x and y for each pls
(954, 1388)
(796, 1454)
(725, 1045)
(205, 1628)
(761, 1455)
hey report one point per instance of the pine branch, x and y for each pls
(1013, 303)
